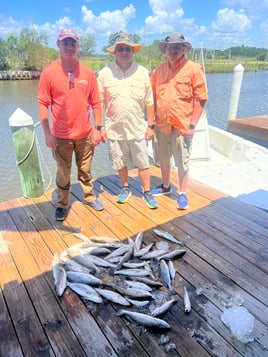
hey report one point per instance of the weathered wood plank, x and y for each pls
(217, 260)
(61, 338)
(30, 333)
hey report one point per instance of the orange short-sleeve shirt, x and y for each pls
(69, 99)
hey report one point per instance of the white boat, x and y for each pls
(229, 163)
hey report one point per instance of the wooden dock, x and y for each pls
(226, 261)
(252, 127)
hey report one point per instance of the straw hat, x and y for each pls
(124, 38)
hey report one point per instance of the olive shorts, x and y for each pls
(173, 144)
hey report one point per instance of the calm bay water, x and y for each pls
(22, 94)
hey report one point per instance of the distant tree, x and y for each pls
(87, 45)
(3, 55)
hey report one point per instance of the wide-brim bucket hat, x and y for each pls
(176, 38)
(124, 38)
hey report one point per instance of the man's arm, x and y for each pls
(44, 119)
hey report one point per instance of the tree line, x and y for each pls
(30, 51)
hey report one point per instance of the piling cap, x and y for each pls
(20, 118)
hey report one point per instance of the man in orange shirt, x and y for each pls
(68, 88)
(180, 95)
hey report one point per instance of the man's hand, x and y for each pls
(99, 136)
(51, 141)
(149, 134)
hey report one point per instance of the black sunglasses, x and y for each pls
(124, 49)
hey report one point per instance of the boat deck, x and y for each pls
(226, 262)
(252, 127)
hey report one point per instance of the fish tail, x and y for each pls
(171, 291)
(111, 271)
(119, 312)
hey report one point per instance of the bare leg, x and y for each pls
(165, 171)
(145, 178)
(183, 177)
(123, 174)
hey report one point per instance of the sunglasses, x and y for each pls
(69, 43)
(71, 79)
(174, 47)
(124, 49)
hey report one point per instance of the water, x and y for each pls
(23, 94)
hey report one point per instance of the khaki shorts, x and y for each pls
(122, 150)
(174, 144)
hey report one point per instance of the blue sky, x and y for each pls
(214, 24)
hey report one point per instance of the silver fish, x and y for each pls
(132, 272)
(133, 292)
(55, 265)
(173, 254)
(165, 275)
(154, 254)
(100, 251)
(138, 303)
(86, 291)
(100, 262)
(144, 319)
(74, 266)
(83, 278)
(114, 259)
(135, 265)
(61, 281)
(125, 258)
(168, 236)
(138, 241)
(120, 251)
(59, 275)
(186, 301)
(113, 296)
(138, 285)
(113, 245)
(84, 260)
(172, 270)
(100, 239)
(145, 250)
(164, 307)
(80, 248)
(82, 237)
(147, 281)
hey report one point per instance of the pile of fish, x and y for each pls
(128, 273)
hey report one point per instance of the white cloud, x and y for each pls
(9, 24)
(167, 15)
(231, 21)
(108, 21)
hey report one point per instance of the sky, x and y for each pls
(212, 24)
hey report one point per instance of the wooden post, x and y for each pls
(237, 81)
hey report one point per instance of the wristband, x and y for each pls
(99, 127)
(151, 126)
(191, 126)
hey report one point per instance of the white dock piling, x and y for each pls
(237, 82)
